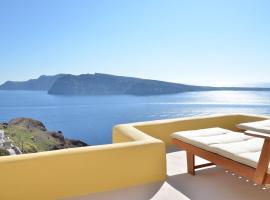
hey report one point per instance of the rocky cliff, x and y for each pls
(32, 136)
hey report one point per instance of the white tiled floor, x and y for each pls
(208, 184)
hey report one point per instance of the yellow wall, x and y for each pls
(81, 171)
(135, 158)
(162, 129)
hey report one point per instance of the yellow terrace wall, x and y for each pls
(162, 129)
(79, 171)
(136, 157)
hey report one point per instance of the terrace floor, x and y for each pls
(211, 183)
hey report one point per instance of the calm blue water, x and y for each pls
(91, 118)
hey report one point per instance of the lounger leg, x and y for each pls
(262, 166)
(191, 163)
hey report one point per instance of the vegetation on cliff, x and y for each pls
(32, 136)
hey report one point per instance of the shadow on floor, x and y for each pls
(142, 192)
(208, 184)
(216, 184)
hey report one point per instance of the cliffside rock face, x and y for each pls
(58, 135)
(65, 143)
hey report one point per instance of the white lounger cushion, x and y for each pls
(233, 145)
(258, 126)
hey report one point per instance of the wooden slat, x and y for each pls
(204, 165)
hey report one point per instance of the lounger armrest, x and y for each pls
(258, 134)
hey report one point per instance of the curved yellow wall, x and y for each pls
(135, 158)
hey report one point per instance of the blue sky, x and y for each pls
(200, 42)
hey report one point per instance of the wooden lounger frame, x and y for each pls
(258, 175)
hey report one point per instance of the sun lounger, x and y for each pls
(258, 126)
(245, 153)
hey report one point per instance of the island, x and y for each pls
(107, 84)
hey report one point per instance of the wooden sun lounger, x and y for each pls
(259, 175)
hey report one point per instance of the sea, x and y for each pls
(91, 118)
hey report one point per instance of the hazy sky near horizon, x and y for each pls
(224, 42)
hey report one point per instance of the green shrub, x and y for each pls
(4, 152)
(29, 148)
